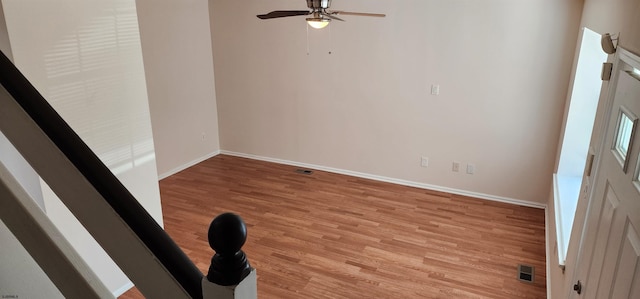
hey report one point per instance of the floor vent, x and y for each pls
(526, 273)
(304, 171)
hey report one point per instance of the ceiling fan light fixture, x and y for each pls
(318, 23)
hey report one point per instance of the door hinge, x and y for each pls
(589, 165)
(607, 67)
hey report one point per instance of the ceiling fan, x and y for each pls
(320, 16)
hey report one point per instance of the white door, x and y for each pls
(609, 262)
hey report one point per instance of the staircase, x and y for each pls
(109, 212)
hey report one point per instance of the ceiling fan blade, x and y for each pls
(362, 14)
(328, 15)
(283, 13)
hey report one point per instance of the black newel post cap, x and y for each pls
(227, 234)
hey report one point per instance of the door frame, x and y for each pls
(622, 58)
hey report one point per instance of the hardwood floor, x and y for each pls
(326, 235)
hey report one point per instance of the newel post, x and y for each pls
(230, 275)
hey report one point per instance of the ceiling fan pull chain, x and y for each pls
(330, 40)
(307, 39)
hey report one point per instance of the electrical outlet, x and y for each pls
(471, 168)
(456, 166)
(424, 162)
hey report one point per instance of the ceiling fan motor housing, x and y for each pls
(318, 4)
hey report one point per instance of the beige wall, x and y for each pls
(602, 16)
(502, 66)
(615, 16)
(176, 45)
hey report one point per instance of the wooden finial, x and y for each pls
(229, 266)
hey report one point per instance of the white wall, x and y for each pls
(16, 265)
(602, 16)
(85, 58)
(176, 45)
(5, 47)
(502, 66)
(20, 169)
(20, 275)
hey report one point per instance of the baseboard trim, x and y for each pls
(392, 180)
(548, 252)
(187, 165)
(117, 293)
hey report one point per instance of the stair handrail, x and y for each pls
(87, 163)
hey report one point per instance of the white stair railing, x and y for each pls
(113, 217)
(44, 242)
